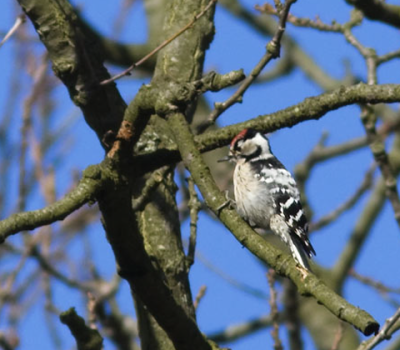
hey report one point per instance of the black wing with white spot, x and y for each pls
(292, 211)
(286, 199)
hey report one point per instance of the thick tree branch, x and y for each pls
(85, 192)
(160, 47)
(147, 244)
(312, 108)
(77, 61)
(145, 278)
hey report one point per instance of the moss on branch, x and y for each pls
(77, 61)
(312, 108)
(84, 192)
(157, 282)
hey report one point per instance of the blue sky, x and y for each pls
(237, 46)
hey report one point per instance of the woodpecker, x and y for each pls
(266, 194)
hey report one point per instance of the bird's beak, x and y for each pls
(225, 159)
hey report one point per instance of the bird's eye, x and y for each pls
(238, 145)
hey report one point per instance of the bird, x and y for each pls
(266, 194)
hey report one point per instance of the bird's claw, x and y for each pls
(229, 202)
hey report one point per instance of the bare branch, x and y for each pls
(385, 333)
(338, 337)
(239, 331)
(292, 320)
(161, 46)
(239, 285)
(364, 223)
(82, 194)
(200, 295)
(194, 208)
(151, 185)
(273, 51)
(21, 19)
(366, 184)
(86, 337)
(379, 286)
(274, 310)
(378, 150)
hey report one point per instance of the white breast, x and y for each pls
(253, 200)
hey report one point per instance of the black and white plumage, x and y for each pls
(266, 194)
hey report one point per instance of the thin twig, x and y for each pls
(273, 51)
(368, 118)
(315, 24)
(274, 310)
(385, 333)
(151, 184)
(91, 308)
(47, 266)
(21, 19)
(332, 216)
(200, 295)
(232, 281)
(291, 315)
(379, 286)
(159, 47)
(387, 57)
(239, 331)
(123, 15)
(381, 157)
(338, 337)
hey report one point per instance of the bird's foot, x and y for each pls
(229, 203)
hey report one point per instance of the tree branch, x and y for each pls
(378, 11)
(385, 333)
(312, 108)
(309, 285)
(273, 51)
(85, 192)
(161, 46)
(77, 61)
(360, 232)
(238, 331)
(86, 337)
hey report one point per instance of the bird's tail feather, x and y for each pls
(299, 254)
